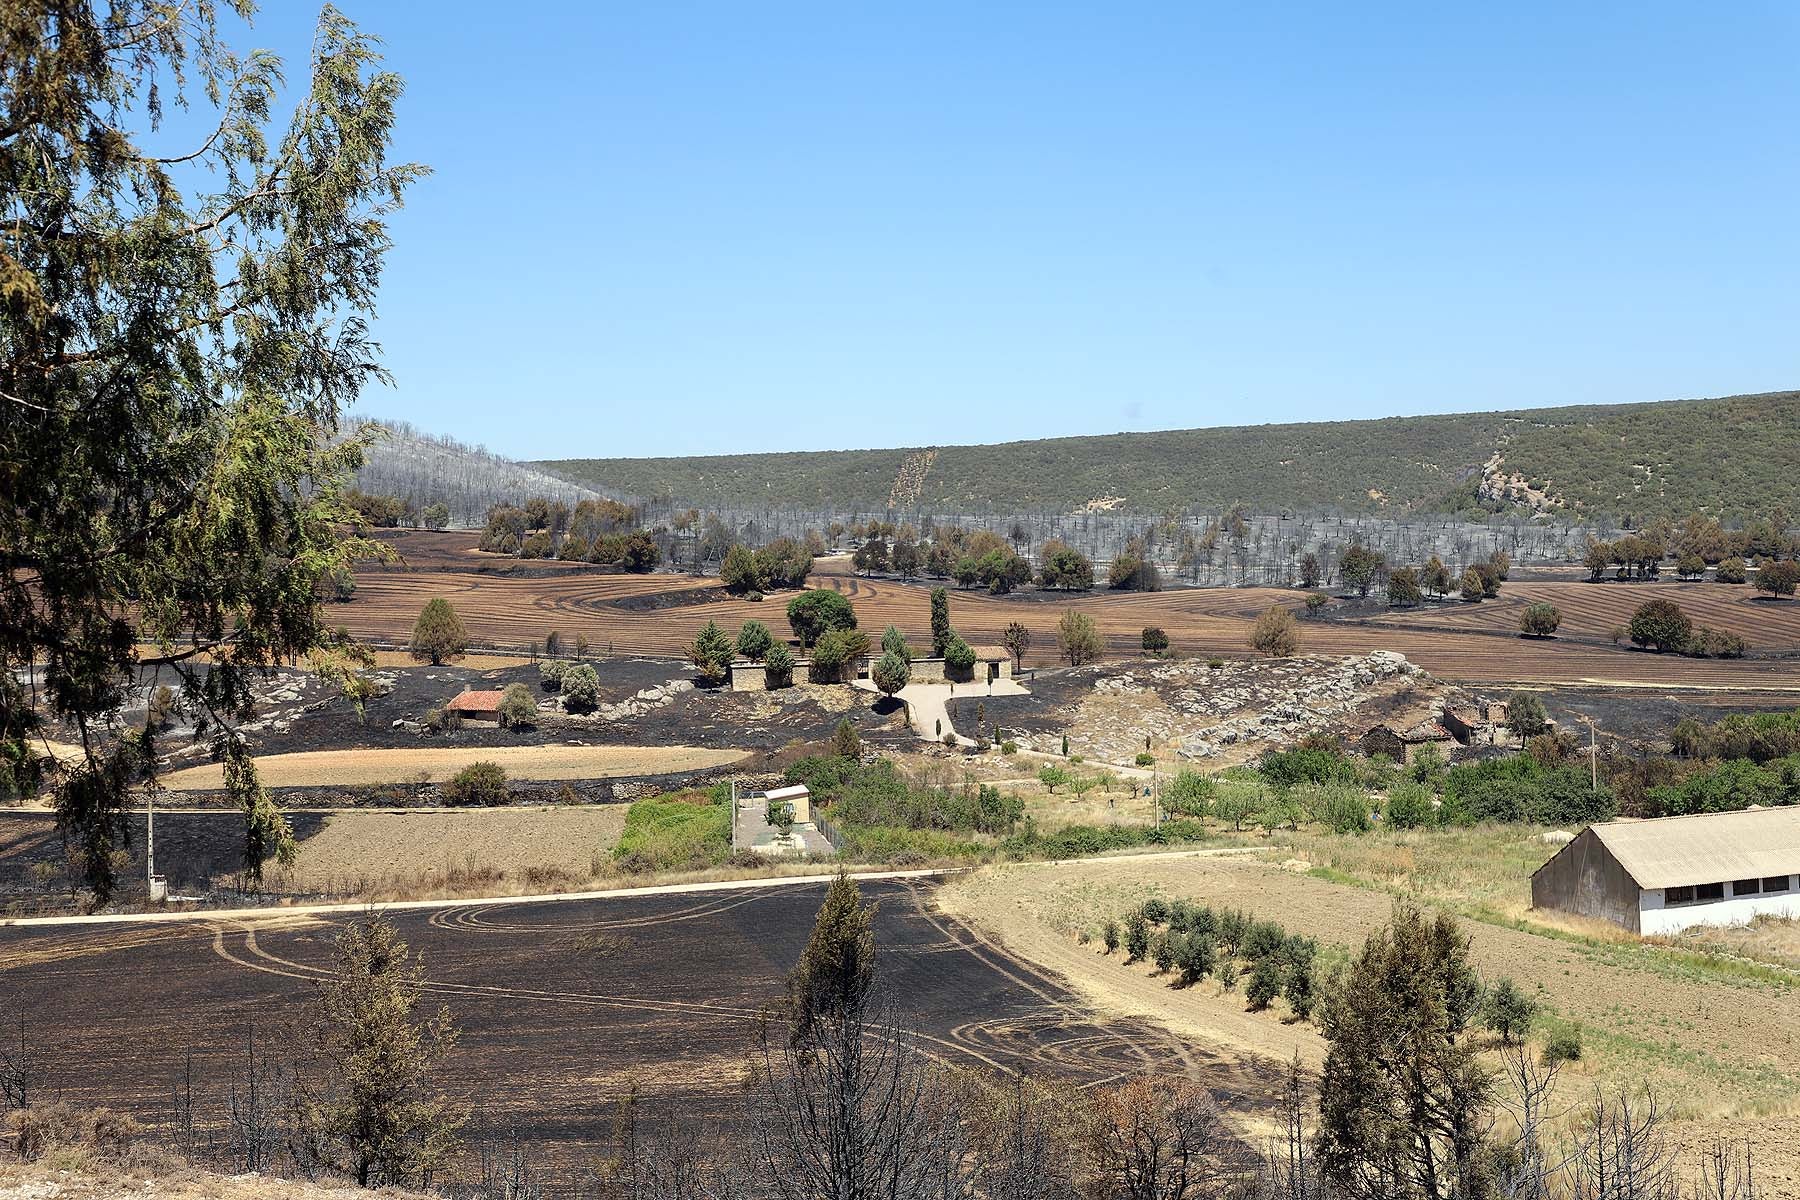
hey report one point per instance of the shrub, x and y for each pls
(959, 660)
(1409, 805)
(1109, 936)
(1228, 974)
(1155, 910)
(779, 667)
(1198, 958)
(1508, 1011)
(1155, 641)
(845, 741)
(1215, 664)
(1521, 789)
(1009, 747)
(711, 652)
(754, 641)
(1265, 983)
(1715, 643)
(1275, 633)
(1145, 759)
(1137, 937)
(1163, 948)
(551, 672)
(1732, 570)
(1302, 988)
(1563, 1046)
(581, 689)
(517, 709)
(478, 783)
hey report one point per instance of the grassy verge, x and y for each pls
(1484, 873)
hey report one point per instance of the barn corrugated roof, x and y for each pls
(1706, 847)
(476, 701)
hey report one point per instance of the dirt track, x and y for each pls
(1472, 643)
(550, 1031)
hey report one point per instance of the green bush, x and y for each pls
(478, 783)
(551, 672)
(1303, 764)
(1564, 1046)
(1110, 936)
(1146, 759)
(1346, 810)
(1265, 982)
(1508, 1011)
(1137, 937)
(1199, 956)
(959, 660)
(1409, 806)
(581, 689)
(1521, 789)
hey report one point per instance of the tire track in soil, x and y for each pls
(550, 1032)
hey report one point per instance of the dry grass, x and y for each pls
(349, 768)
(56, 1178)
(360, 852)
(1714, 1042)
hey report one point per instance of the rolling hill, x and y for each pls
(1730, 456)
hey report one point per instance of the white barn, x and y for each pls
(1665, 875)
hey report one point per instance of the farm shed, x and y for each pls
(478, 708)
(991, 663)
(1673, 873)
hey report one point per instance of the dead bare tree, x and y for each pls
(21, 1067)
(1621, 1152)
(1158, 1139)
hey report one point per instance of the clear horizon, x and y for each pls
(714, 230)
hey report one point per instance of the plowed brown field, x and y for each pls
(1473, 643)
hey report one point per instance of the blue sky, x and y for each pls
(691, 228)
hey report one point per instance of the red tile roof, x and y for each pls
(473, 701)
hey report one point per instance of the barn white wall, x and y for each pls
(1653, 918)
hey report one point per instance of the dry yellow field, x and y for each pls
(419, 843)
(350, 768)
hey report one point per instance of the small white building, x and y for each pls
(1665, 875)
